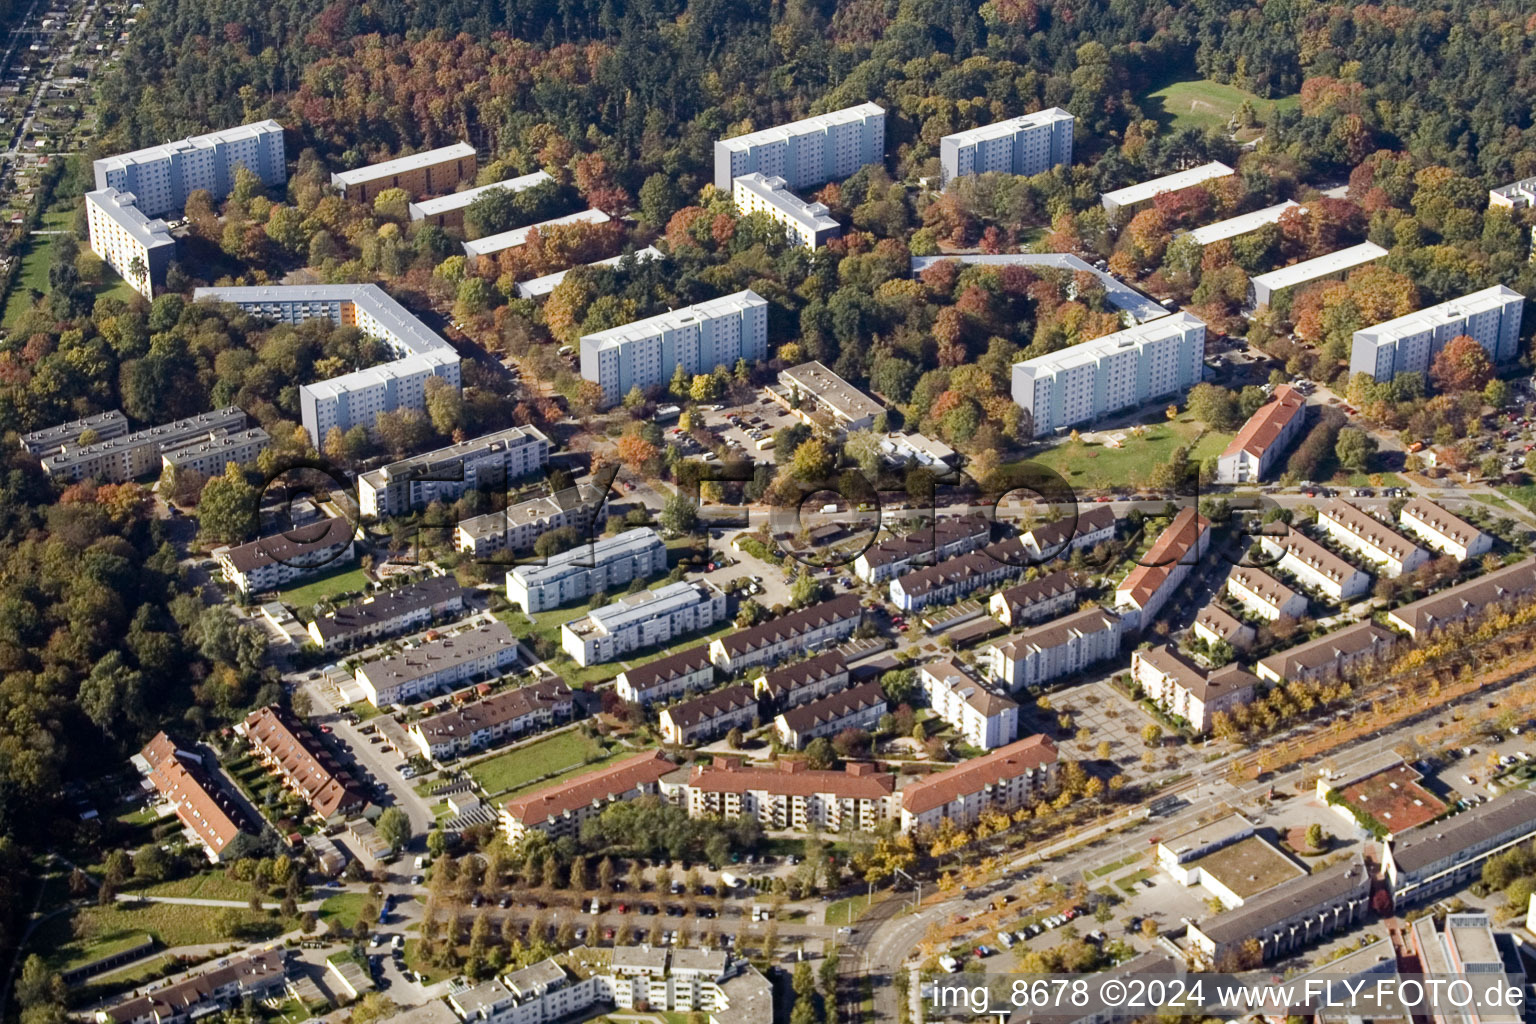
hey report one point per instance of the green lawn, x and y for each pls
(549, 621)
(342, 910)
(68, 940)
(35, 260)
(847, 911)
(339, 581)
(1525, 494)
(1097, 467)
(209, 885)
(1201, 103)
(522, 765)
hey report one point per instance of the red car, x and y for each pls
(325, 728)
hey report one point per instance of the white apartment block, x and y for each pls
(1158, 573)
(1004, 780)
(1514, 196)
(438, 664)
(539, 287)
(807, 152)
(120, 457)
(1060, 648)
(270, 562)
(1256, 449)
(481, 463)
(1363, 533)
(789, 796)
(51, 440)
(1409, 344)
(490, 245)
(1315, 566)
(604, 564)
(161, 177)
(1263, 595)
(646, 353)
(1242, 224)
(1185, 691)
(356, 398)
(810, 388)
(1124, 200)
(209, 457)
(1027, 145)
(983, 718)
(796, 633)
(642, 620)
(1263, 289)
(121, 234)
(665, 678)
(806, 224)
(516, 527)
(1120, 371)
(448, 211)
(1443, 531)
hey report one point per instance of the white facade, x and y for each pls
(450, 208)
(119, 456)
(1263, 595)
(1132, 196)
(210, 456)
(1056, 649)
(1236, 227)
(1409, 344)
(807, 224)
(1315, 566)
(161, 177)
(1027, 145)
(1443, 531)
(984, 719)
(121, 234)
(1363, 533)
(586, 569)
(488, 461)
(807, 152)
(1119, 371)
(641, 620)
(646, 353)
(357, 398)
(518, 527)
(1263, 288)
(438, 664)
(1269, 432)
(1003, 780)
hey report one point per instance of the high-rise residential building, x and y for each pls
(161, 177)
(486, 462)
(808, 152)
(1244, 223)
(604, 564)
(807, 224)
(1409, 344)
(448, 211)
(122, 235)
(1265, 288)
(1119, 371)
(490, 245)
(1031, 144)
(1122, 201)
(421, 174)
(646, 353)
(120, 457)
(356, 398)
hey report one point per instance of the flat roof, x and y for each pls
(831, 390)
(210, 139)
(1122, 296)
(1227, 828)
(725, 305)
(404, 328)
(1243, 223)
(599, 551)
(818, 122)
(213, 445)
(436, 655)
(1133, 194)
(647, 604)
(1248, 867)
(1002, 129)
(775, 192)
(1310, 270)
(539, 287)
(517, 236)
(511, 437)
(1394, 797)
(400, 165)
(458, 200)
(1441, 313)
(120, 206)
(1096, 349)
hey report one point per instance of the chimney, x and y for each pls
(792, 767)
(859, 769)
(727, 762)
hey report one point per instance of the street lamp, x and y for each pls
(915, 884)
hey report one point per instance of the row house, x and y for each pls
(1443, 531)
(1361, 532)
(934, 542)
(303, 762)
(666, 678)
(1313, 565)
(1083, 532)
(439, 664)
(1035, 601)
(229, 984)
(955, 578)
(801, 682)
(498, 719)
(710, 716)
(1263, 595)
(1341, 653)
(805, 630)
(388, 613)
(182, 780)
(856, 708)
(1214, 624)
(1466, 601)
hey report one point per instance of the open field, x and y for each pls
(210, 885)
(341, 911)
(1202, 103)
(340, 581)
(1098, 467)
(35, 261)
(70, 939)
(521, 765)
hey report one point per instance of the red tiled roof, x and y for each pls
(306, 764)
(1265, 425)
(974, 775)
(642, 769)
(1172, 547)
(200, 804)
(791, 778)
